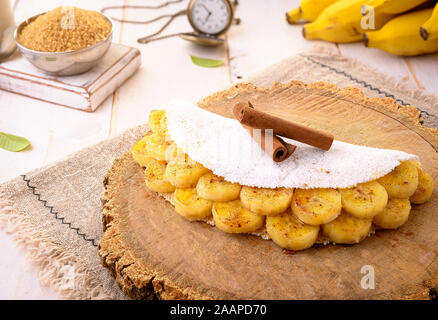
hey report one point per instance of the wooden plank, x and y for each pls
(167, 70)
(84, 91)
(424, 70)
(264, 37)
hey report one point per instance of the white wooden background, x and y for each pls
(261, 39)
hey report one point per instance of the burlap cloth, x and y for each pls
(55, 213)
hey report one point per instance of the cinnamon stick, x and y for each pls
(247, 115)
(280, 150)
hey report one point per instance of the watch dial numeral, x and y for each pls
(210, 16)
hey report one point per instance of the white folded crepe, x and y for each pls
(226, 148)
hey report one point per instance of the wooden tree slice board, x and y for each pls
(155, 253)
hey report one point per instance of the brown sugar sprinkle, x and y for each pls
(54, 31)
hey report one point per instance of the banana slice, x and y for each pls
(173, 153)
(231, 217)
(190, 205)
(402, 181)
(184, 174)
(347, 229)
(424, 189)
(157, 121)
(156, 145)
(266, 201)
(139, 152)
(287, 231)
(316, 206)
(394, 215)
(215, 188)
(155, 179)
(365, 200)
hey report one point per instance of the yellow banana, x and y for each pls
(365, 200)
(157, 121)
(215, 188)
(347, 229)
(343, 22)
(316, 206)
(287, 231)
(394, 6)
(156, 145)
(402, 181)
(400, 36)
(184, 174)
(231, 217)
(308, 10)
(394, 215)
(155, 179)
(429, 30)
(424, 189)
(190, 205)
(173, 153)
(265, 201)
(139, 152)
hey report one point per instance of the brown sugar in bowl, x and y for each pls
(60, 43)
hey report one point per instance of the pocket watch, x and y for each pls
(210, 19)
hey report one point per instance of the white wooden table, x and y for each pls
(261, 39)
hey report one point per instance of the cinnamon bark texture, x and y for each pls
(247, 115)
(271, 144)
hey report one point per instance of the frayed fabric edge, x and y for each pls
(59, 269)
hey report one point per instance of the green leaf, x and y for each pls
(206, 63)
(13, 143)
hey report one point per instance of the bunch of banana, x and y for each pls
(401, 37)
(429, 29)
(393, 6)
(308, 10)
(342, 22)
(395, 26)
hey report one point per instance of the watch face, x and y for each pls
(210, 16)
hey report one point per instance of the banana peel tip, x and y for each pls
(423, 33)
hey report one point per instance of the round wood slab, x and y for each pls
(155, 253)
